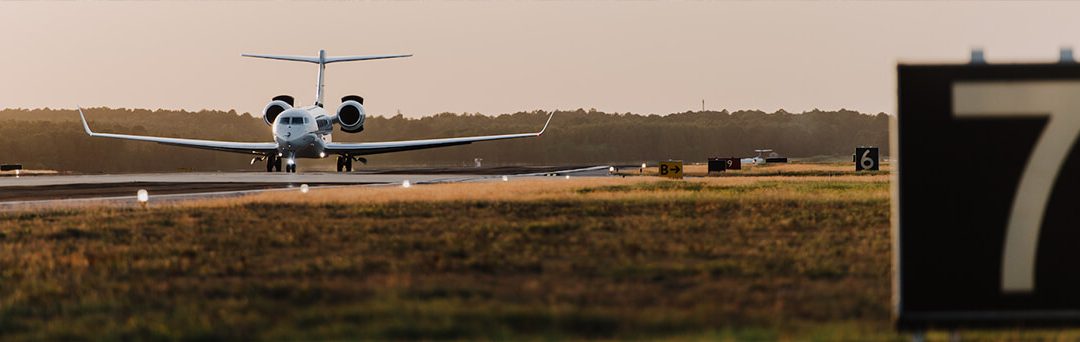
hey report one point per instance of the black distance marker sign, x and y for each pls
(718, 164)
(866, 159)
(986, 226)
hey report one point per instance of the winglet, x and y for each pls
(546, 124)
(84, 124)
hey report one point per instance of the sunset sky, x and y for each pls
(500, 57)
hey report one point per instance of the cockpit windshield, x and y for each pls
(296, 120)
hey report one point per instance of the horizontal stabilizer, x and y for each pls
(362, 58)
(286, 58)
(327, 60)
(322, 60)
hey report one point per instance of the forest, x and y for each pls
(53, 138)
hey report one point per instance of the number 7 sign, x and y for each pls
(1059, 101)
(986, 196)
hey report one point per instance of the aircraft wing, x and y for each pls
(227, 146)
(359, 149)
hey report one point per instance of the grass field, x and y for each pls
(726, 258)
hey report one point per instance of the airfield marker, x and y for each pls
(142, 196)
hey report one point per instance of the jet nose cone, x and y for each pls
(296, 139)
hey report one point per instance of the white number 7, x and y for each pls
(1060, 102)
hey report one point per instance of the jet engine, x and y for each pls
(351, 114)
(277, 105)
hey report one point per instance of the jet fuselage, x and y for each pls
(298, 134)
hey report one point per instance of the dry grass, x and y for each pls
(537, 189)
(728, 258)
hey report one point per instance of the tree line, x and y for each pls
(54, 138)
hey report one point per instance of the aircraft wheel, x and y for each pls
(277, 164)
(270, 163)
(348, 164)
(340, 163)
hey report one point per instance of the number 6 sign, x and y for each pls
(866, 159)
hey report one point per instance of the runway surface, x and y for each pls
(214, 177)
(28, 192)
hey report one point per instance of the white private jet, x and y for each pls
(759, 159)
(304, 132)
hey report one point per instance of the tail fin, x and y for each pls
(322, 61)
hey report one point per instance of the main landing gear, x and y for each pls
(344, 163)
(273, 163)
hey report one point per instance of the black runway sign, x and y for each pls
(866, 159)
(986, 217)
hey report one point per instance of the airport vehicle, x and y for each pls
(305, 132)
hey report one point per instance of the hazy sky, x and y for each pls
(498, 57)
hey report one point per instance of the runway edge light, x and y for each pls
(142, 196)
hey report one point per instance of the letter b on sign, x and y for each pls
(671, 169)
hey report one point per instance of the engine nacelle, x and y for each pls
(277, 105)
(351, 114)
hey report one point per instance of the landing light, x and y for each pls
(611, 169)
(322, 154)
(642, 165)
(406, 184)
(17, 173)
(567, 176)
(303, 188)
(506, 179)
(292, 161)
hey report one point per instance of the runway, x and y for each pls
(27, 192)
(215, 177)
